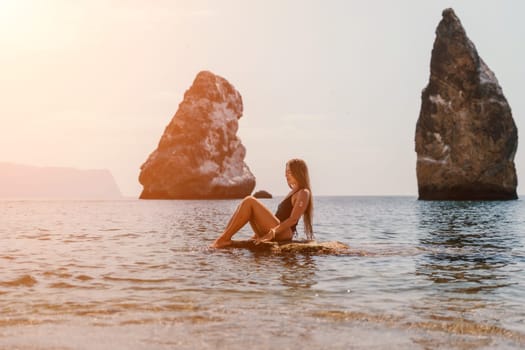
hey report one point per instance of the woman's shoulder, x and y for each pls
(301, 197)
(303, 192)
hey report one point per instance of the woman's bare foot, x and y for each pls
(221, 243)
(266, 238)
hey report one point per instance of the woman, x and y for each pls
(281, 226)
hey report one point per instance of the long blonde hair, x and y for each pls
(299, 171)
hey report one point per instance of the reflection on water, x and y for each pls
(468, 254)
(299, 273)
(468, 245)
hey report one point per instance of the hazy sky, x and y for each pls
(92, 84)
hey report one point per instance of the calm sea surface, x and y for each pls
(139, 275)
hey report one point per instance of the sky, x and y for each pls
(92, 84)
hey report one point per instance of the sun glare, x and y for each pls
(32, 25)
(14, 15)
(9, 10)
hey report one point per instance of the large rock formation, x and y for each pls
(19, 181)
(199, 156)
(466, 138)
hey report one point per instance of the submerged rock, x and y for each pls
(301, 247)
(199, 156)
(262, 194)
(465, 137)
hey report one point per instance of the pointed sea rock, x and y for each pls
(199, 156)
(465, 138)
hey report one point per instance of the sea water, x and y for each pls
(138, 274)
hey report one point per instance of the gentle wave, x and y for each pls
(136, 280)
(11, 322)
(22, 281)
(63, 285)
(440, 324)
(198, 319)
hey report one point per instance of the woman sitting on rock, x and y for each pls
(281, 226)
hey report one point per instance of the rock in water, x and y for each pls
(466, 138)
(199, 156)
(262, 194)
(302, 247)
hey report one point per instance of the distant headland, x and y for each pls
(18, 181)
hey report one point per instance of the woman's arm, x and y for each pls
(299, 207)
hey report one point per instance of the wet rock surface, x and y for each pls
(294, 247)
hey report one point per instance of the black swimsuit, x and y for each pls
(284, 210)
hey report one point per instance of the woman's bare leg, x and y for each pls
(286, 235)
(249, 211)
